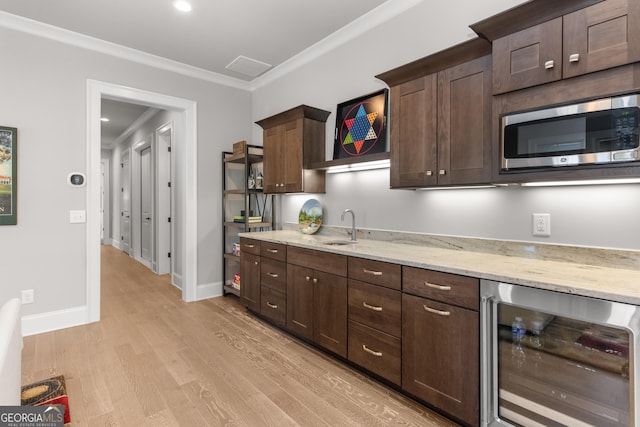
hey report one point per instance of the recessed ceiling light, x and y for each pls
(104, 119)
(182, 5)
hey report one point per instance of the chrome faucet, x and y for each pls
(353, 223)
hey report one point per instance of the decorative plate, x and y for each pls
(310, 216)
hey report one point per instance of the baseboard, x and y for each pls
(176, 280)
(208, 290)
(116, 244)
(53, 320)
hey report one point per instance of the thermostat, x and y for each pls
(76, 179)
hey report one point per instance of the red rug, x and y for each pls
(48, 392)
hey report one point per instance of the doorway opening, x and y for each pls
(185, 221)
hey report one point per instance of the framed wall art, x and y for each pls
(8, 175)
(361, 126)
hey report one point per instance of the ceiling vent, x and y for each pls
(248, 66)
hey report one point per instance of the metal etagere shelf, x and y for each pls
(245, 207)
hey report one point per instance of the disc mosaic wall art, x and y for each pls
(361, 126)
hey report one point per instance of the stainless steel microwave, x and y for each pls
(595, 132)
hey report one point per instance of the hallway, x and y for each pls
(155, 360)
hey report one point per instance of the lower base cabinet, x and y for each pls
(415, 328)
(440, 356)
(317, 300)
(375, 351)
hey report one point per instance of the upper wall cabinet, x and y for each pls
(597, 37)
(440, 118)
(292, 141)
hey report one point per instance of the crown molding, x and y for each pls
(381, 14)
(40, 29)
(148, 114)
(368, 21)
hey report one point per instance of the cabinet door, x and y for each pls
(330, 308)
(300, 301)
(273, 158)
(464, 123)
(413, 133)
(529, 57)
(292, 156)
(602, 36)
(250, 281)
(440, 356)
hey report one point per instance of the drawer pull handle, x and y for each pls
(438, 287)
(375, 273)
(246, 245)
(549, 65)
(273, 251)
(274, 306)
(574, 57)
(371, 307)
(368, 350)
(438, 312)
(274, 275)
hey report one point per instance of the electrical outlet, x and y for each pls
(542, 224)
(28, 296)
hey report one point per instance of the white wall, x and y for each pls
(599, 216)
(44, 95)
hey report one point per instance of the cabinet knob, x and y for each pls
(574, 57)
(307, 278)
(442, 172)
(315, 280)
(255, 262)
(549, 65)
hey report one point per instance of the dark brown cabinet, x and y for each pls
(250, 273)
(440, 341)
(273, 282)
(292, 141)
(595, 38)
(441, 120)
(375, 308)
(317, 298)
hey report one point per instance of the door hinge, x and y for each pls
(169, 184)
(169, 254)
(169, 219)
(122, 238)
(169, 149)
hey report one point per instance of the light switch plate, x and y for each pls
(77, 217)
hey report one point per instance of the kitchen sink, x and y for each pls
(339, 242)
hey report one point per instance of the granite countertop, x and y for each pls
(566, 269)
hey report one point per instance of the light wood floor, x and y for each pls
(154, 360)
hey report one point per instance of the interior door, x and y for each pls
(125, 202)
(146, 205)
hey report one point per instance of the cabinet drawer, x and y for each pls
(458, 290)
(375, 351)
(250, 246)
(273, 274)
(376, 272)
(273, 250)
(318, 260)
(375, 306)
(273, 305)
